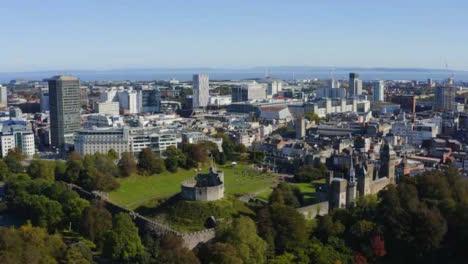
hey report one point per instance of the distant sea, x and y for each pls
(285, 73)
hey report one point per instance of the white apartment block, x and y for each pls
(201, 90)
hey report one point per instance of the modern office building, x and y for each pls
(3, 96)
(328, 92)
(274, 88)
(128, 101)
(45, 99)
(248, 92)
(201, 90)
(16, 135)
(149, 100)
(445, 98)
(64, 97)
(355, 85)
(15, 113)
(379, 91)
(90, 141)
(406, 101)
(107, 108)
(327, 106)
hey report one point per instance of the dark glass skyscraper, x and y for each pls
(64, 97)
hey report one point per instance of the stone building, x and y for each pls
(204, 187)
(353, 174)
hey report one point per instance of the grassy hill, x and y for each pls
(140, 190)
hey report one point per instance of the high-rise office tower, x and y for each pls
(201, 90)
(45, 105)
(128, 101)
(149, 100)
(445, 98)
(64, 98)
(3, 96)
(379, 90)
(355, 85)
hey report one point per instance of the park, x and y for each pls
(138, 190)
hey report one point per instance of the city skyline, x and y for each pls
(105, 35)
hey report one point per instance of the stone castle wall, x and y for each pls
(146, 225)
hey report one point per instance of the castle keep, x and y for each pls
(204, 187)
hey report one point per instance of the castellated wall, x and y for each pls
(146, 225)
(311, 211)
(379, 184)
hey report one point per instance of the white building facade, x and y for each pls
(201, 90)
(16, 135)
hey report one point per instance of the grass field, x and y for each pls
(137, 190)
(307, 189)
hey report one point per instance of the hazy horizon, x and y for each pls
(281, 72)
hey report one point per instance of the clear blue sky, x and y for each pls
(105, 34)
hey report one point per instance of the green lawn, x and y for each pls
(307, 189)
(137, 190)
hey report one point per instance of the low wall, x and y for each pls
(311, 211)
(146, 225)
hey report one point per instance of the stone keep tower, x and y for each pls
(387, 163)
(204, 187)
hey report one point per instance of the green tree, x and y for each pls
(79, 253)
(242, 234)
(146, 161)
(42, 169)
(308, 173)
(29, 244)
(4, 171)
(175, 158)
(127, 164)
(122, 243)
(219, 253)
(287, 194)
(74, 168)
(290, 228)
(172, 251)
(112, 154)
(313, 117)
(228, 145)
(256, 156)
(240, 148)
(13, 160)
(286, 258)
(96, 221)
(159, 166)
